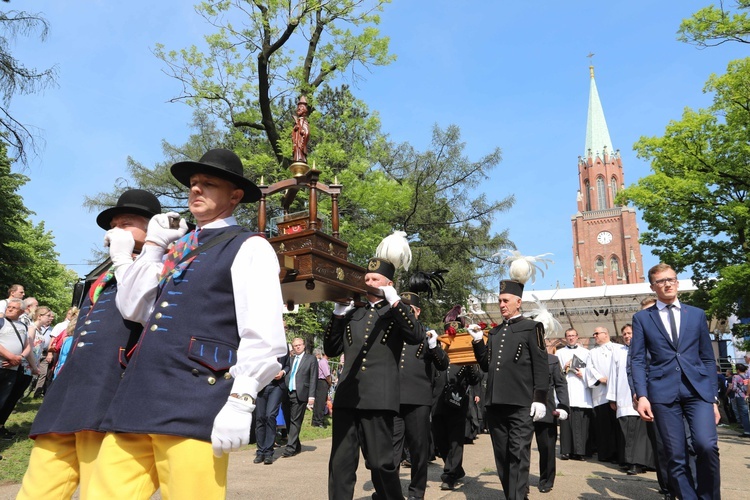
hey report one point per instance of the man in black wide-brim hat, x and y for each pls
(66, 430)
(213, 315)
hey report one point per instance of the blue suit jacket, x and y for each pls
(657, 364)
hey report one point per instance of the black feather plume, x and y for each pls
(422, 282)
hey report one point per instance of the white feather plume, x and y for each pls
(552, 327)
(395, 249)
(524, 267)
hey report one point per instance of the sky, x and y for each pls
(510, 74)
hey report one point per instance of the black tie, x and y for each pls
(672, 323)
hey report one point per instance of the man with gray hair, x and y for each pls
(29, 306)
(13, 340)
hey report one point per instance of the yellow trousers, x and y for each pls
(134, 466)
(58, 463)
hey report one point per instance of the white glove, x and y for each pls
(310, 403)
(391, 295)
(431, 339)
(341, 309)
(475, 331)
(231, 429)
(538, 411)
(562, 414)
(160, 233)
(121, 244)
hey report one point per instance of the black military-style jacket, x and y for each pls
(558, 384)
(460, 378)
(417, 369)
(371, 339)
(515, 359)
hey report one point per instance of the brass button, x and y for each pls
(364, 359)
(364, 368)
(164, 304)
(194, 371)
(154, 328)
(211, 380)
(157, 315)
(227, 375)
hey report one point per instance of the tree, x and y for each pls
(696, 201)
(27, 254)
(712, 26)
(15, 78)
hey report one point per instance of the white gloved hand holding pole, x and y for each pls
(538, 411)
(431, 339)
(341, 309)
(475, 331)
(162, 231)
(391, 295)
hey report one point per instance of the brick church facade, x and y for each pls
(605, 235)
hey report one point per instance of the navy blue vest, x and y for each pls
(178, 378)
(80, 395)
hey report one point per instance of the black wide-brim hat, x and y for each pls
(132, 201)
(221, 163)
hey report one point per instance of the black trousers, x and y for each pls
(321, 397)
(372, 432)
(607, 432)
(449, 432)
(511, 429)
(19, 387)
(412, 426)
(574, 432)
(296, 417)
(546, 439)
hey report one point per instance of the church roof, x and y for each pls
(597, 134)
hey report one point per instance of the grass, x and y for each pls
(16, 452)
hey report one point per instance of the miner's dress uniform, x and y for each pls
(68, 423)
(367, 396)
(448, 421)
(515, 360)
(545, 429)
(412, 424)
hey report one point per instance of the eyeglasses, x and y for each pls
(665, 281)
(598, 333)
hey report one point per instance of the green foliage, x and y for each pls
(712, 25)
(27, 251)
(696, 201)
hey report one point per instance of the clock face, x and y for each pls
(604, 237)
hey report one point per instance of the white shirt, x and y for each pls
(257, 303)
(618, 388)
(578, 393)
(600, 361)
(664, 315)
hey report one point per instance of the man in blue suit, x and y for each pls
(679, 383)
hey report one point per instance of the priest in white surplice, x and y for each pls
(634, 449)
(574, 432)
(596, 377)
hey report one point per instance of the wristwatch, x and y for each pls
(243, 397)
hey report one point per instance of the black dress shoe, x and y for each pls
(288, 454)
(580, 458)
(268, 461)
(258, 459)
(564, 456)
(545, 489)
(634, 470)
(447, 485)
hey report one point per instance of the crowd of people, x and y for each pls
(176, 358)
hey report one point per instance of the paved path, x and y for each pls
(305, 476)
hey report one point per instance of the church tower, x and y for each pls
(605, 235)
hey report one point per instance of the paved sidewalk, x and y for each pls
(306, 475)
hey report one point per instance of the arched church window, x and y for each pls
(587, 195)
(599, 265)
(613, 188)
(601, 194)
(614, 265)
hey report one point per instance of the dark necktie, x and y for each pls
(672, 323)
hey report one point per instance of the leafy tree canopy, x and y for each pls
(696, 200)
(16, 78)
